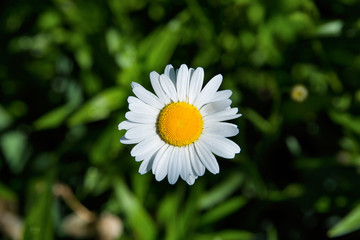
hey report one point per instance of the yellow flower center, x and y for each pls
(179, 124)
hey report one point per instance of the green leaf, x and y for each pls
(96, 182)
(258, 121)
(13, 144)
(5, 118)
(350, 223)
(223, 210)
(291, 191)
(54, 118)
(99, 107)
(39, 223)
(84, 57)
(331, 28)
(227, 235)
(107, 146)
(221, 191)
(141, 185)
(189, 215)
(136, 215)
(49, 20)
(161, 43)
(346, 120)
(168, 214)
(113, 40)
(166, 207)
(235, 235)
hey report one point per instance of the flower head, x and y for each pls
(299, 93)
(178, 129)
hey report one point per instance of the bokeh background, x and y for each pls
(65, 73)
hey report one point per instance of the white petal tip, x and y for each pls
(190, 182)
(135, 84)
(183, 66)
(142, 172)
(159, 179)
(123, 140)
(172, 181)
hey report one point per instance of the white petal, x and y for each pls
(146, 165)
(174, 166)
(221, 128)
(146, 153)
(159, 156)
(155, 82)
(221, 146)
(185, 161)
(162, 159)
(221, 95)
(191, 179)
(143, 108)
(182, 82)
(132, 99)
(206, 157)
(214, 107)
(196, 83)
(145, 145)
(197, 166)
(124, 140)
(168, 87)
(191, 71)
(141, 131)
(127, 125)
(146, 96)
(170, 72)
(140, 118)
(224, 115)
(208, 91)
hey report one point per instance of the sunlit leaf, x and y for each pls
(348, 224)
(137, 216)
(221, 191)
(227, 235)
(331, 28)
(223, 210)
(258, 121)
(189, 214)
(107, 146)
(14, 146)
(159, 46)
(39, 224)
(167, 206)
(100, 106)
(346, 120)
(54, 118)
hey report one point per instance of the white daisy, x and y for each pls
(178, 130)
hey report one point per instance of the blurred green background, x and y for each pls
(65, 73)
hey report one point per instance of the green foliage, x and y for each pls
(65, 72)
(347, 225)
(139, 219)
(39, 222)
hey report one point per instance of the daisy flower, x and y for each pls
(178, 129)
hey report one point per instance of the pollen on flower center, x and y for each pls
(179, 124)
